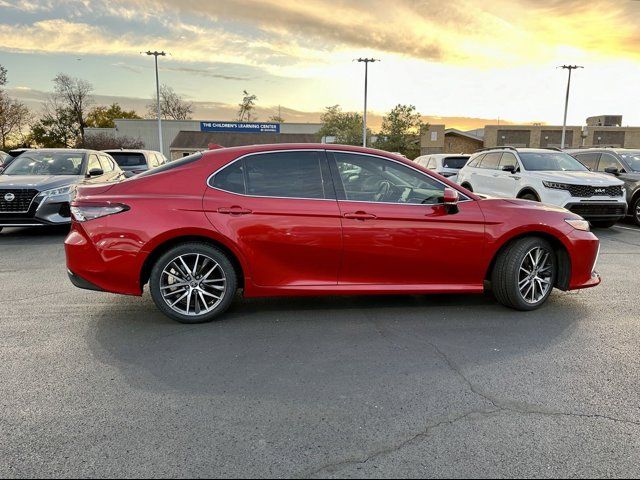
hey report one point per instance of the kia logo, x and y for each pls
(600, 190)
(9, 197)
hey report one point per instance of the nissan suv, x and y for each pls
(622, 163)
(548, 176)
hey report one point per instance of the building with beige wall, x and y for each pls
(533, 136)
(621, 137)
(438, 139)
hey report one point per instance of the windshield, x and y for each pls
(46, 163)
(632, 158)
(455, 162)
(124, 159)
(551, 161)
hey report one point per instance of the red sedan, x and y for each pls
(277, 220)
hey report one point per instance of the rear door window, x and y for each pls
(476, 161)
(491, 160)
(285, 174)
(107, 165)
(231, 178)
(589, 160)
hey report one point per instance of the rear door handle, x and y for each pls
(235, 210)
(359, 216)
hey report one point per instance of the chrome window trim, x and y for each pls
(210, 177)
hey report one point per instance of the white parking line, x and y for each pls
(628, 228)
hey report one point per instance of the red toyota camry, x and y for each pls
(275, 220)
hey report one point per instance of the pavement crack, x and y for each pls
(334, 466)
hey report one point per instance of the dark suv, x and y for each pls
(624, 163)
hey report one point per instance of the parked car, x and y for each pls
(548, 176)
(133, 162)
(620, 162)
(7, 158)
(36, 188)
(314, 219)
(445, 164)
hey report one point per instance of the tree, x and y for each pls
(247, 106)
(14, 117)
(172, 105)
(401, 129)
(57, 128)
(103, 117)
(74, 96)
(105, 141)
(346, 127)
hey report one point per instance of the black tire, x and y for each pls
(194, 248)
(467, 186)
(635, 211)
(529, 196)
(603, 223)
(505, 276)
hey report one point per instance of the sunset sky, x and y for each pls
(467, 62)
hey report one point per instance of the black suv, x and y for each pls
(624, 163)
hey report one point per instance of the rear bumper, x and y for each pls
(82, 283)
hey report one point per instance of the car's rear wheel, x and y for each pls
(635, 211)
(193, 283)
(603, 223)
(524, 274)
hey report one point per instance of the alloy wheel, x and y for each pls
(535, 275)
(193, 284)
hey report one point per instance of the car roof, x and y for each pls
(129, 150)
(61, 150)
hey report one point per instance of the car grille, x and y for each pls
(21, 202)
(588, 210)
(586, 191)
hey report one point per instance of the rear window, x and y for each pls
(171, 165)
(455, 162)
(125, 159)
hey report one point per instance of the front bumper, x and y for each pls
(42, 211)
(584, 251)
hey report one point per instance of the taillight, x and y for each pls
(83, 212)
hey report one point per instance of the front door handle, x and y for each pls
(359, 216)
(235, 210)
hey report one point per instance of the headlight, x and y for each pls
(578, 224)
(58, 191)
(556, 185)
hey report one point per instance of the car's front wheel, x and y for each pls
(193, 283)
(524, 274)
(635, 211)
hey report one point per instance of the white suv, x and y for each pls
(446, 164)
(548, 176)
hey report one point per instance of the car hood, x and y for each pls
(578, 178)
(528, 204)
(38, 182)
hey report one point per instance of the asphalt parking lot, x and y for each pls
(99, 385)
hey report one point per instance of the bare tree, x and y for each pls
(246, 107)
(14, 117)
(172, 105)
(105, 141)
(74, 95)
(3, 76)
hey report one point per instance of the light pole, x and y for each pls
(366, 62)
(566, 102)
(157, 54)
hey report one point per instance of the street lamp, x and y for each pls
(366, 62)
(157, 54)
(566, 102)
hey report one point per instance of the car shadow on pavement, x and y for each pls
(322, 348)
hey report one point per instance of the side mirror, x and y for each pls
(510, 168)
(450, 200)
(612, 170)
(95, 172)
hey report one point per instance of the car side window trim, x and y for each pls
(341, 193)
(328, 185)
